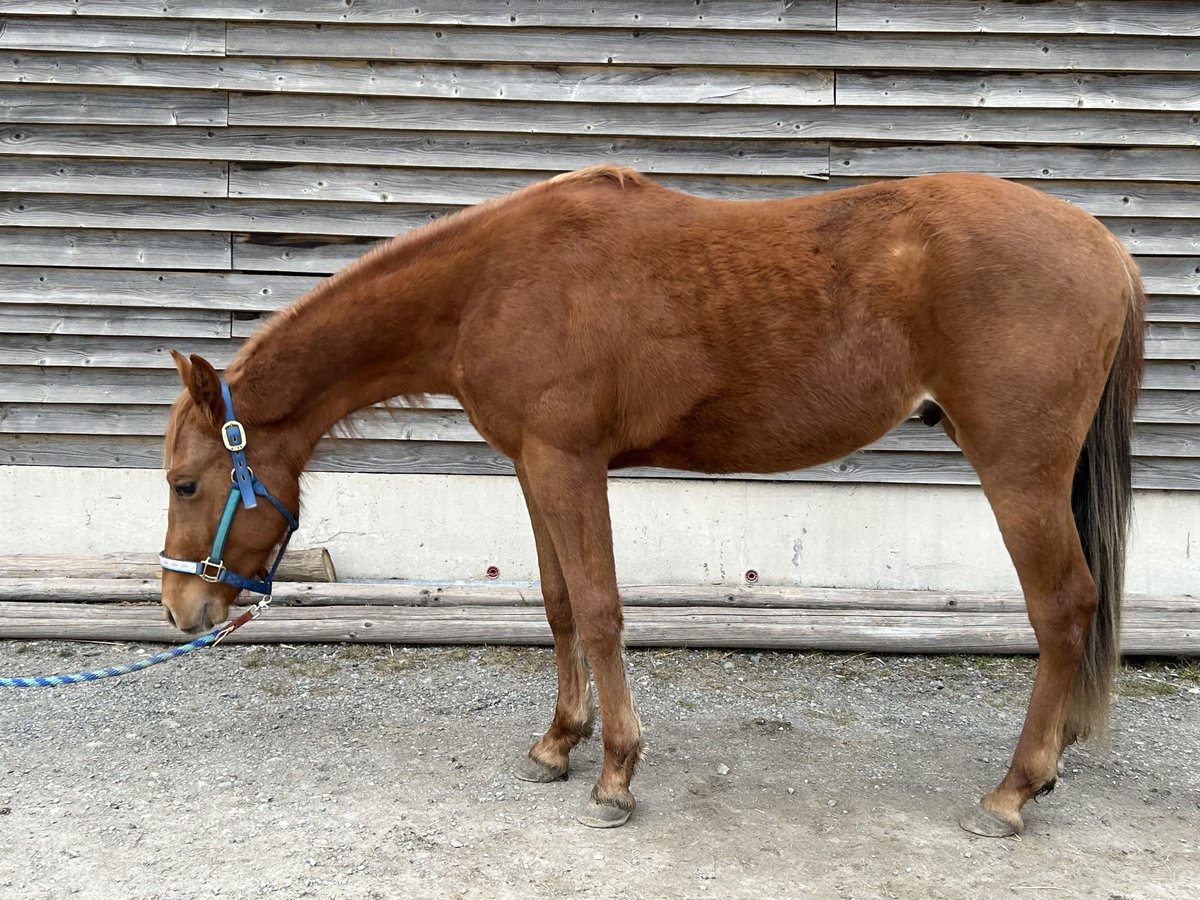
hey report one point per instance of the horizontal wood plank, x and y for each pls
(678, 47)
(32, 384)
(568, 84)
(117, 249)
(1045, 162)
(429, 149)
(153, 289)
(134, 578)
(98, 106)
(1133, 17)
(51, 318)
(108, 352)
(147, 178)
(1085, 126)
(160, 217)
(796, 629)
(720, 14)
(1015, 91)
(111, 35)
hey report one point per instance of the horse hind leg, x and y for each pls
(574, 712)
(1032, 505)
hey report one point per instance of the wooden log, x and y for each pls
(299, 565)
(19, 582)
(790, 629)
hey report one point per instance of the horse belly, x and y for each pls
(733, 435)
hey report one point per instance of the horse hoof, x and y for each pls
(602, 815)
(978, 820)
(530, 769)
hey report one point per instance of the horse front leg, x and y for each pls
(571, 495)
(574, 714)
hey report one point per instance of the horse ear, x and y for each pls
(184, 367)
(204, 384)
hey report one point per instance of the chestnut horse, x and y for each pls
(600, 320)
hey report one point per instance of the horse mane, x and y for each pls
(444, 227)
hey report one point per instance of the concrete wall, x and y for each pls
(448, 528)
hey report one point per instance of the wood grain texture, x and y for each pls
(68, 175)
(1029, 91)
(1084, 126)
(134, 578)
(111, 35)
(107, 352)
(1045, 162)
(583, 84)
(114, 248)
(1135, 17)
(721, 14)
(66, 104)
(693, 47)
(1152, 632)
(52, 318)
(154, 288)
(481, 150)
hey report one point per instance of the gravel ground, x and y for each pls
(366, 771)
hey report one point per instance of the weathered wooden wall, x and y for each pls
(176, 170)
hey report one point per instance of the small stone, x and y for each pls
(455, 842)
(598, 855)
(791, 790)
(722, 769)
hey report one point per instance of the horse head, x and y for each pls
(219, 536)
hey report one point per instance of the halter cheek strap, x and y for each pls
(244, 492)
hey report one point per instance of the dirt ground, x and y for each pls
(366, 771)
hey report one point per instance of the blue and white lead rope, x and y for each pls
(213, 637)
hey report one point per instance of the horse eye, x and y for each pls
(186, 489)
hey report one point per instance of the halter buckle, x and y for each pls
(233, 436)
(211, 571)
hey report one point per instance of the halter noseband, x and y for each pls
(244, 488)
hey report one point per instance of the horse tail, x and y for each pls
(1101, 496)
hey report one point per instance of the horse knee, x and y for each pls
(599, 624)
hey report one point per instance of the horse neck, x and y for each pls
(383, 327)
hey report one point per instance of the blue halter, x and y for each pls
(245, 489)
